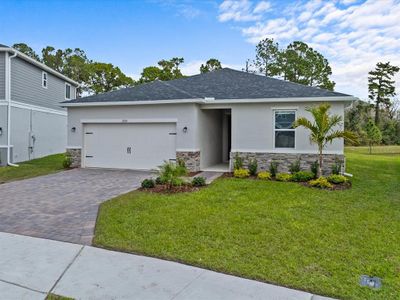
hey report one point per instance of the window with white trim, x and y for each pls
(44, 80)
(67, 91)
(284, 131)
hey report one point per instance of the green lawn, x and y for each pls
(32, 168)
(283, 233)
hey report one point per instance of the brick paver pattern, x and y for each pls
(62, 206)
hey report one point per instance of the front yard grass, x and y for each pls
(283, 233)
(32, 168)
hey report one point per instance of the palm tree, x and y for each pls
(324, 129)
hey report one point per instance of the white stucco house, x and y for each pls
(206, 120)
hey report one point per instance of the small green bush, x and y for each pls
(273, 168)
(264, 175)
(170, 173)
(238, 162)
(294, 167)
(302, 176)
(336, 167)
(253, 166)
(334, 178)
(148, 183)
(67, 162)
(314, 168)
(199, 181)
(321, 182)
(241, 173)
(283, 177)
(159, 180)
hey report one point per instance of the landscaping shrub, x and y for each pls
(199, 181)
(253, 166)
(264, 175)
(283, 177)
(294, 167)
(273, 168)
(334, 178)
(159, 180)
(238, 162)
(321, 182)
(241, 173)
(67, 162)
(314, 168)
(148, 183)
(336, 167)
(170, 173)
(302, 176)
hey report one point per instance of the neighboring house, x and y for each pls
(32, 123)
(205, 119)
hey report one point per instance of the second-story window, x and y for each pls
(67, 91)
(44, 80)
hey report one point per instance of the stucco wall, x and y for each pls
(48, 129)
(186, 114)
(253, 128)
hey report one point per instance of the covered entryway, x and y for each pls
(140, 146)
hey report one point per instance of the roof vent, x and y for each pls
(209, 98)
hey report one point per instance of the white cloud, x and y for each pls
(261, 7)
(353, 35)
(242, 10)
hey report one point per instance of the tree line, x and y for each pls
(375, 121)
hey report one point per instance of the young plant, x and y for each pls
(253, 166)
(314, 168)
(67, 162)
(170, 173)
(283, 177)
(337, 179)
(302, 176)
(273, 168)
(238, 162)
(324, 129)
(198, 181)
(241, 173)
(148, 183)
(264, 175)
(321, 183)
(294, 167)
(336, 167)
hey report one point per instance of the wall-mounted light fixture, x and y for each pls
(1, 130)
(185, 129)
(73, 129)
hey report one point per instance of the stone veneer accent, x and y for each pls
(75, 157)
(191, 159)
(285, 159)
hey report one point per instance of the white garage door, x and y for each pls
(129, 146)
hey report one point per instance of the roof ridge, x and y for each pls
(178, 89)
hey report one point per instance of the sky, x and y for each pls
(352, 34)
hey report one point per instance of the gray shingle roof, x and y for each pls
(221, 84)
(3, 46)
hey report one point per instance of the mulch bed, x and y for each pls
(163, 189)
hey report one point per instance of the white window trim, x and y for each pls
(47, 80)
(274, 129)
(70, 91)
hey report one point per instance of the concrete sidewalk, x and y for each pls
(32, 267)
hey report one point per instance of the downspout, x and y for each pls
(8, 97)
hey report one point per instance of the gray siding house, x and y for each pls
(206, 120)
(32, 123)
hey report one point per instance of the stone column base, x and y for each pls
(285, 159)
(76, 156)
(191, 159)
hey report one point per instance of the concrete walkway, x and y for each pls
(62, 206)
(32, 267)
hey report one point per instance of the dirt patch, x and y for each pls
(164, 189)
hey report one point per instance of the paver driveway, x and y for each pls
(62, 206)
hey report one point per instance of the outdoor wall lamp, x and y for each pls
(73, 129)
(1, 130)
(184, 129)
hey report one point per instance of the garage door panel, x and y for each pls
(129, 146)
